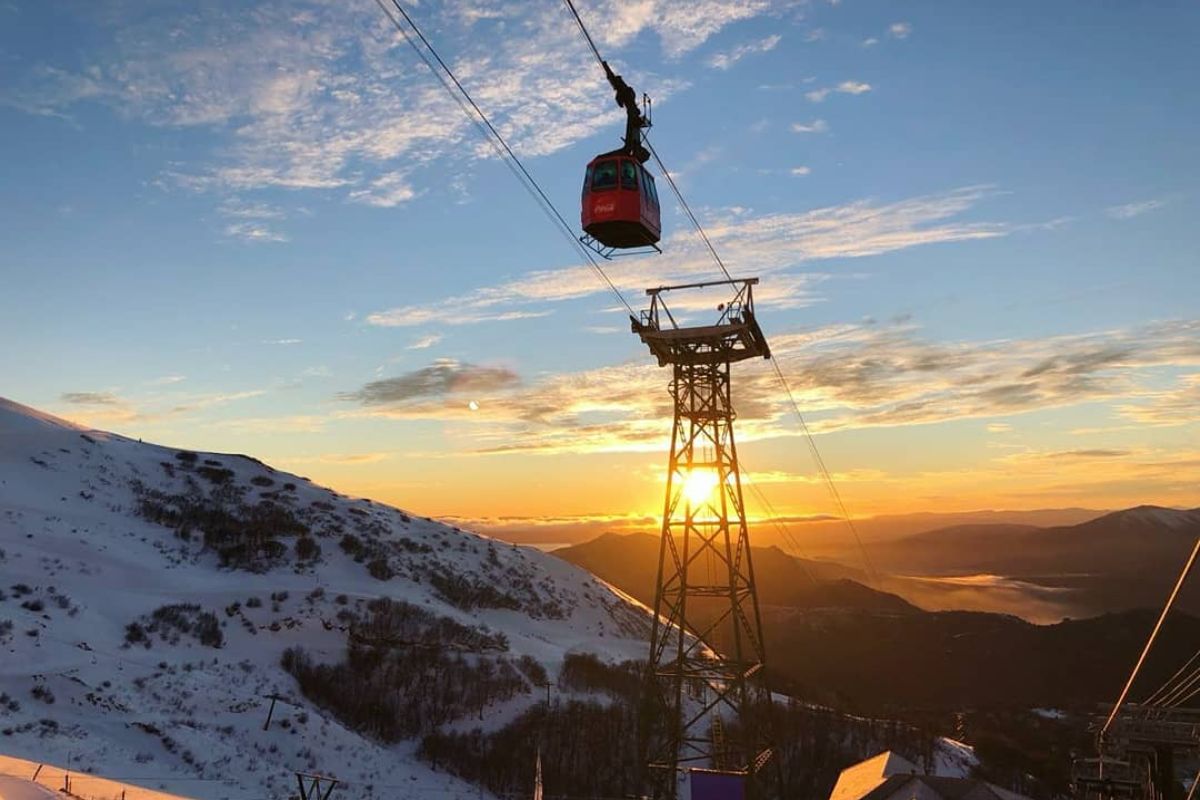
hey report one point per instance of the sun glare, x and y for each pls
(698, 486)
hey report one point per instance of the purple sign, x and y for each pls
(718, 786)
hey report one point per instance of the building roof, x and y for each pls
(888, 775)
(859, 780)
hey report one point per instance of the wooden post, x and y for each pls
(270, 712)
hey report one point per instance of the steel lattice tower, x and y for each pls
(705, 706)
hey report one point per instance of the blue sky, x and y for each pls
(265, 228)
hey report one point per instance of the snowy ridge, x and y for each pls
(1157, 517)
(98, 532)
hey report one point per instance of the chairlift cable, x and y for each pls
(1183, 693)
(1172, 684)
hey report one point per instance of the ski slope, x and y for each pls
(80, 561)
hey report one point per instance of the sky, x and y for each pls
(265, 228)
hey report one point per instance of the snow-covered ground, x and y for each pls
(953, 759)
(21, 779)
(79, 562)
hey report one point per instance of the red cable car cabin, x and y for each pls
(620, 203)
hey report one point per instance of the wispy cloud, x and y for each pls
(772, 243)
(341, 459)
(845, 87)
(816, 126)
(800, 171)
(319, 95)
(1179, 405)
(1131, 210)
(90, 398)
(727, 59)
(900, 30)
(109, 408)
(446, 313)
(387, 191)
(254, 232)
(290, 424)
(240, 209)
(426, 341)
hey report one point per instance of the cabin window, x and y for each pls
(629, 171)
(604, 175)
(651, 189)
(587, 178)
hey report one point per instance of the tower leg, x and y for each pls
(706, 706)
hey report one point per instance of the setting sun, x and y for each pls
(698, 485)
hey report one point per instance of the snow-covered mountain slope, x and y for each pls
(147, 597)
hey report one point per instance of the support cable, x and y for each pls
(830, 486)
(789, 539)
(489, 131)
(1116, 709)
(583, 29)
(688, 210)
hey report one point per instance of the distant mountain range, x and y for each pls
(822, 537)
(630, 562)
(1112, 562)
(1113, 543)
(836, 640)
(1122, 560)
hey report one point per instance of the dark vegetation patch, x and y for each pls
(589, 748)
(173, 622)
(469, 593)
(380, 569)
(307, 549)
(243, 535)
(584, 672)
(407, 671)
(216, 475)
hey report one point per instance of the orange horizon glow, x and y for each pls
(576, 496)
